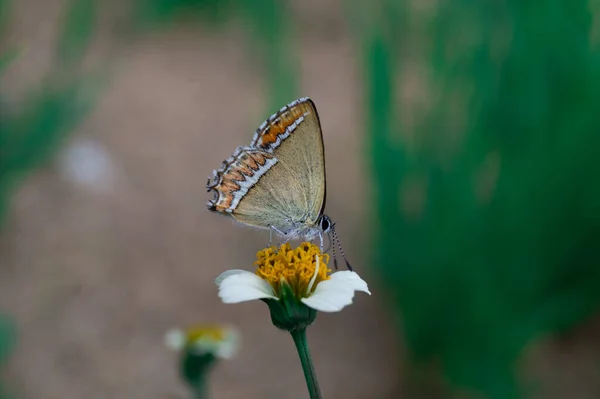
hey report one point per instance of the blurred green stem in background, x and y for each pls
(195, 370)
(150, 14)
(77, 33)
(7, 339)
(272, 23)
(486, 184)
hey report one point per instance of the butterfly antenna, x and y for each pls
(332, 247)
(339, 244)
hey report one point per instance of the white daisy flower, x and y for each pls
(222, 342)
(299, 275)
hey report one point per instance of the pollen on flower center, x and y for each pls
(296, 267)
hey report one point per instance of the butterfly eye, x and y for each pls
(325, 224)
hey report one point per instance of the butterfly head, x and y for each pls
(326, 225)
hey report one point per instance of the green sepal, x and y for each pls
(288, 313)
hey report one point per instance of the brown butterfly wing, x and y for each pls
(294, 136)
(280, 178)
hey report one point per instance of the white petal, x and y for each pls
(352, 279)
(175, 339)
(230, 345)
(330, 296)
(243, 286)
(228, 273)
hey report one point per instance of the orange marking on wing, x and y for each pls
(279, 125)
(244, 167)
(250, 165)
(245, 170)
(236, 174)
(270, 135)
(255, 161)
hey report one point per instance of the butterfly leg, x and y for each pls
(270, 237)
(281, 233)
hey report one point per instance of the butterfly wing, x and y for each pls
(237, 176)
(293, 135)
(280, 178)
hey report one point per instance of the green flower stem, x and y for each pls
(200, 389)
(195, 370)
(299, 336)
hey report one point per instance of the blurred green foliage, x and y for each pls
(76, 35)
(488, 202)
(153, 13)
(7, 338)
(270, 24)
(30, 134)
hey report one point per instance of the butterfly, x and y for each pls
(278, 182)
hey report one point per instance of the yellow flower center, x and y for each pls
(194, 334)
(295, 267)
